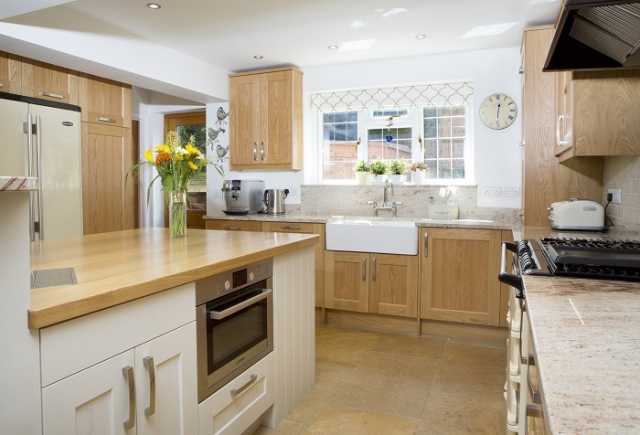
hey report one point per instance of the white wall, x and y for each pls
(497, 154)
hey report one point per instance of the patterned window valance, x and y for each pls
(441, 94)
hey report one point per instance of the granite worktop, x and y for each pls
(120, 266)
(322, 219)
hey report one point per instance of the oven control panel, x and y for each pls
(224, 283)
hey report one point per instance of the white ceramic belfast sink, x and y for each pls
(363, 235)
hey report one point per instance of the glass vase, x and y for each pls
(178, 214)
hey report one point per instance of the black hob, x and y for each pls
(584, 258)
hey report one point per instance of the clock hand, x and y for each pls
(498, 112)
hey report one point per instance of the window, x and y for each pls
(436, 136)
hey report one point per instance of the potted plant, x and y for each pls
(397, 168)
(379, 170)
(418, 172)
(362, 172)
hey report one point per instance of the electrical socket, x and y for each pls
(293, 191)
(511, 191)
(492, 191)
(617, 195)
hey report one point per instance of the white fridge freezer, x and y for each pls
(49, 149)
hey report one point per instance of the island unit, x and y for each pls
(117, 351)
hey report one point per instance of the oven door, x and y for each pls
(234, 332)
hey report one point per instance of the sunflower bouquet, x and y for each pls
(176, 166)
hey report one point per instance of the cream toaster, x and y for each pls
(577, 214)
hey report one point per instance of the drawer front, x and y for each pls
(289, 227)
(72, 346)
(237, 405)
(233, 225)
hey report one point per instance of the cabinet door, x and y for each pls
(394, 285)
(167, 384)
(347, 281)
(275, 116)
(49, 82)
(95, 401)
(244, 121)
(460, 276)
(10, 79)
(233, 225)
(305, 228)
(106, 158)
(104, 101)
(564, 112)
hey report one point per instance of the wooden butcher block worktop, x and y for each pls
(113, 268)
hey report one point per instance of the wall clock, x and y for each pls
(498, 111)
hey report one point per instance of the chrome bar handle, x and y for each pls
(290, 227)
(1, 85)
(426, 244)
(219, 315)
(262, 151)
(128, 373)
(28, 129)
(373, 268)
(102, 119)
(39, 167)
(514, 281)
(237, 391)
(364, 269)
(148, 363)
(255, 151)
(234, 228)
(52, 95)
(560, 143)
(535, 395)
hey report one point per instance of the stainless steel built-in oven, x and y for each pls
(234, 318)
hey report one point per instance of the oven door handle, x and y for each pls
(514, 281)
(219, 315)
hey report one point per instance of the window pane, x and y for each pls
(328, 117)
(457, 168)
(430, 112)
(404, 133)
(432, 169)
(340, 134)
(444, 127)
(457, 148)
(458, 110)
(444, 111)
(352, 116)
(444, 168)
(375, 151)
(430, 128)
(458, 126)
(431, 148)
(444, 148)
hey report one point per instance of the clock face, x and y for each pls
(498, 111)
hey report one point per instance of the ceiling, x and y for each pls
(230, 33)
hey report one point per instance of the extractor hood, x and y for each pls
(596, 34)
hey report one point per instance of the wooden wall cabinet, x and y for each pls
(598, 113)
(305, 228)
(266, 119)
(460, 275)
(10, 73)
(49, 82)
(372, 283)
(545, 179)
(104, 101)
(106, 158)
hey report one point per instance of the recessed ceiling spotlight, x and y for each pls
(333, 47)
(153, 6)
(421, 36)
(257, 56)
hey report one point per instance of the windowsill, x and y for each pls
(406, 184)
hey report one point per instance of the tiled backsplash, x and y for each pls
(352, 200)
(623, 173)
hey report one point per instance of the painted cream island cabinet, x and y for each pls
(130, 367)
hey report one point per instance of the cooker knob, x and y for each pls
(251, 276)
(227, 285)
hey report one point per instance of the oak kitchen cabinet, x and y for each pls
(372, 283)
(545, 180)
(266, 119)
(598, 113)
(305, 228)
(147, 379)
(104, 101)
(49, 82)
(107, 155)
(460, 270)
(10, 74)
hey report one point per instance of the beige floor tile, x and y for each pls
(339, 420)
(330, 377)
(383, 395)
(414, 346)
(482, 379)
(447, 413)
(400, 368)
(284, 428)
(344, 345)
(467, 357)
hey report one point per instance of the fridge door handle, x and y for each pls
(28, 129)
(39, 168)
